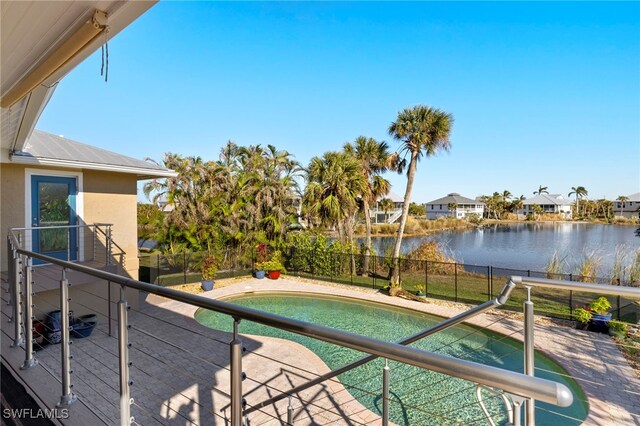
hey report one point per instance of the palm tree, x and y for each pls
(452, 208)
(421, 130)
(505, 196)
(386, 204)
(373, 157)
(580, 192)
(334, 184)
(517, 204)
(541, 190)
(622, 200)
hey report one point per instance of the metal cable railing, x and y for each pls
(529, 388)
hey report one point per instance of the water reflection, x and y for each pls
(526, 245)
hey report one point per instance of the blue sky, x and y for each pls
(542, 93)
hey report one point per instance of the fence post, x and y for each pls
(29, 360)
(184, 266)
(455, 274)
(488, 284)
(618, 302)
(571, 304)
(158, 269)
(67, 397)
(123, 358)
(236, 376)
(426, 277)
(491, 281)
(375, 270)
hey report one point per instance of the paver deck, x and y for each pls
(180, 368)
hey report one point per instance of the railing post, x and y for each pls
(123, 358)
(68, 244)
(18, 338)
(289, 413)
(95, 232)
(385, 394)
(29, 360)
(10, 255)
(236, 376)
(108, 244)
(67, 397)
(109, 305)
(529, 353)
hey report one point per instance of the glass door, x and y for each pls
(53, 204)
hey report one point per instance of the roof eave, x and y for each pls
(141, 173)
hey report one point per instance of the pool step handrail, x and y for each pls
(505, 399)
(499, 300)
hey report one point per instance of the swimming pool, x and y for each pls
(419, 397)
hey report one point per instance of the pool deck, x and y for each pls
(180, 368)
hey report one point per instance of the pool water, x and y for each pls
(418, 397)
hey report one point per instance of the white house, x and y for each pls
(379, 215)
(550, 203)
(463, 207)
(628, 208)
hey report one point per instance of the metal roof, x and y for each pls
(393, 197)
(455, 198)
(547, 199)
(48, 149)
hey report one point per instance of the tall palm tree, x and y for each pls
(506, 195)
(541, 190)
(373, 157)
(579, 192)
(421, 130)
(622, 200)
(334, 184)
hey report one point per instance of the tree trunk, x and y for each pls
(340, 231)
(367, 243)
(394, 274)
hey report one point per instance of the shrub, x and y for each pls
(475, 219)
(600, 306)
(555, 266)
(582, 315)
(209, 268)
(618, 328)
(588, 267)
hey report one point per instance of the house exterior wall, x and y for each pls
(630, 209)
(434, 211)
(562, 209)
(108, 197)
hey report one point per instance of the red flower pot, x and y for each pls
(274, 275)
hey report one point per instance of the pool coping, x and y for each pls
(612, 388)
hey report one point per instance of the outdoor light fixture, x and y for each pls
(70, 48)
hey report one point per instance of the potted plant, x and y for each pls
(582, 316)
(208, 269)
(274, 268)
(600, 314)
(618, 328)
(261, 258)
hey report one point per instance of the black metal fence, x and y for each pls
(457, 282)
(184, 268)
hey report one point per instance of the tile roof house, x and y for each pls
(463, 207)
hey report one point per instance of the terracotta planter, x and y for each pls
(274, 275)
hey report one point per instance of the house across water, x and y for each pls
(454, 205)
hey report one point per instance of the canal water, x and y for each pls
(527, 245)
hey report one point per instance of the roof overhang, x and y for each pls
(141, 173)
(41, 42)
